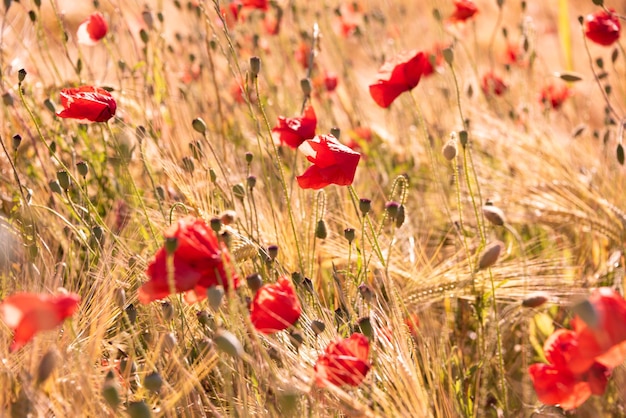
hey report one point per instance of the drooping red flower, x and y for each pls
(275, 307)
(602, 27)
(200, 261)
(556, 384)
(87, 103)
(255, 4)
(294, 131)
(553, 95)
(400, 74)
(333, 163)
(93, 29)
(605, 340)
(463, 10)
(344, 362)
(29, 313)
(492, 84)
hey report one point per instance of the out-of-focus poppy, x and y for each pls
(275, 307)
(255, 4)
(344, 362)
(463, 10)
(87, 103)
(294, 131)
(602, 27)
(302, 54)
(493, 84)
(29, 313)
(333, 163)
(400, 74)
(553, 95)
(92, 29)
(200, 261)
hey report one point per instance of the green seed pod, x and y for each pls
(254, 282)
(365, 325)
(494, 215)
(199, 125)
(320, 230)
(83, 168)
(153, 382)
(349, 234)
(228, 343)
(215, 296)
(490, 255)
(317, 326)
(255, 65)
(365, 205)
(139, 409)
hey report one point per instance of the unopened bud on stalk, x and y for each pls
(392, 208)
(171, 244)
(188, 165)
(153, 382)
(119, 295)
(365, 325)
(400, 217)
(167, 309)
(110, 393)
(349, 234)
(249, 157)
(251, 182)
(272, 251)
(255, 65)
(55, 187)
(228, 217)
(16, 141)
(317, 326)
(199, 125)
(490, 255)
(139, 410)
(494, 215)
(215, 295)
(239, 191)
(320, 230)
(228, 343)
(216, 224)
(254, 282)
(83, 168)
(535, 299)
(296, 338)
(131, 312)
(21, 75)
(336, 132)
(450, 150)
(305, 85)
(365, 205)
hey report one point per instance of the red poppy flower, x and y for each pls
(605, 340)
(554, 95)
(556, 384)
(92, 30)
(493, 84)
(87, 103)
(200, 262)
(330, 81)
(344, 362)
(29, 313)
(294, 131)
(303, 54)
(359, 136)
(271, 24)
(230, 14)
(275, 307)
(602, 27)
(255, 4)
(349, 18)
(333, 163)
(435, 60)
(463, 10)
(398, 75)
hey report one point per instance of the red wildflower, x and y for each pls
(231, 13)
(275, 307)
(603, 341)
(493, 84)
(359, 136)
(294, 131)
(330, 80)
(333, 163)
(92, 30)
(554, 95)
(303, 54)
(463, 10)
(272, 24)
(87, 103)
(29, 313)
(398, 75)
(434, 59)
(602, 27)
(344, 362)
(200, 262)
(255, 4)
(350, 15)
(556, 384)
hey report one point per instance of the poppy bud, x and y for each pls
(239, 191)
(296, 338)
(254, 282)
(251, 182)
(296, 277)
(21, 75)
(255, 65)
(400, 217)
(55, 187)
(366, 293)
(493, 214)
(336, 132)
(169, 342)
(171, 244)
(83, 168)
(272, 251)
(249, 157)
(365, 205)
(320, 230)
(167, 309)
(317, 326)
(64, 179)
(47, 365)
(535, 300)
(228, 343)
(228, 217)
(199, 125)
(196, 150)
(449, 150)
(448, 55)
(305, 85)
(188, 165)
(119, 295)
(392, 209)
(212, 175)
(139, 409)
(216, 224)
(365, 325)
(16, 141)
(490, 255)
(215, 295)
(463, 138)
(349, 234)
(153, 382)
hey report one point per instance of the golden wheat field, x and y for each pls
(363, 208)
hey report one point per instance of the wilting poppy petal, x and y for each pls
(29, 313)
(463, 10)
(92, 30)
(200, 262)
(398, 75)
(344, 362)
(275, 307)
(602, 27)
(87, 103)
(294, 131)
(333, 163)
